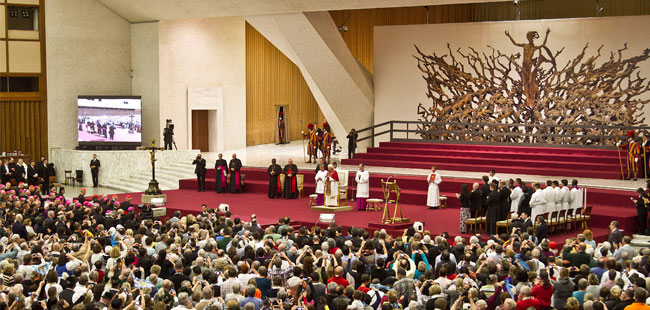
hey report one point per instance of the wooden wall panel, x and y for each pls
(361, 23)
(24, 127)
(272, 79)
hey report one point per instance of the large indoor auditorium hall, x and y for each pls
(324, 155)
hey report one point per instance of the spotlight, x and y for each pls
(343, 28)
(26, 13)
(13, 12)
(515, 2)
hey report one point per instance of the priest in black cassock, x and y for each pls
(494, 204)
(290, 181)
(275, 185)
(222, 170)
(504, 201)
(235, 178)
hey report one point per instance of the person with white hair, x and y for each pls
(184, 302)
(433, 195)
(332, 187)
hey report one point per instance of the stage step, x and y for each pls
(560, 161)
(503, 148)
(605, 159)
(512, 168)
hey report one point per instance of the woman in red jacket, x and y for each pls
(543, 290)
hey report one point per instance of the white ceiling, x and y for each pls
(153, 10)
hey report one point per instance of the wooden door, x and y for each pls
(200, 130)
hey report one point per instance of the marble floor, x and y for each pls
(73, 191)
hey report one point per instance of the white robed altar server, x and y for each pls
(550, 196)
(433, 196)
(575, 199)
(332, 195)
(515, 196)
(537, 202)
(363, 187)
(565, 194)
(320, 185)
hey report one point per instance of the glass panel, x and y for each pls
(23, 84)
(3, 84)
(22, 18)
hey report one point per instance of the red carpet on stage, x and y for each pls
(574, 162)
(269, 210)
(608, 205)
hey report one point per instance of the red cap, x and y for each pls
(310, 126)
(128, 196)
(83, 189)
(552, 244)
(630, 134)
(95, 196)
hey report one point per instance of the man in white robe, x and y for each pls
(492, 176)
(558, 198)
(575, 199)
(515, 196)
(332, 199)
(550, 196)
(565, 193)
(363, 187)
(433, 196)
(320, 185)
(537, 202)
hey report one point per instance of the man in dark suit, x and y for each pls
(200, 171)
(44, 173)
(523, 222)
(541, 232)
(485, 191)
(18, 227)
(94, 170)
(5, 173)
(475, 199)
(615, 236)
(32, 174)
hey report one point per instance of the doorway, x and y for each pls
(200, 130)
(282, 124)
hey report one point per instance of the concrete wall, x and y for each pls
(145, 81)
(204, 53)
(88, 53)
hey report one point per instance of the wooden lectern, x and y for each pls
(388, 188)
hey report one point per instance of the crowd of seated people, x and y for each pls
(103, 253)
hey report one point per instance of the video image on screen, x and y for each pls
(109, 120)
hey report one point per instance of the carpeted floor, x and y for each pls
(269, 210)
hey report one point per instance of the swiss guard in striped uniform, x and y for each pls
(633, 155)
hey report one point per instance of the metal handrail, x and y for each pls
(595, 135)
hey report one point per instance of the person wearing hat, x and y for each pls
(633, 155)
(82, 195)
(126, 204)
